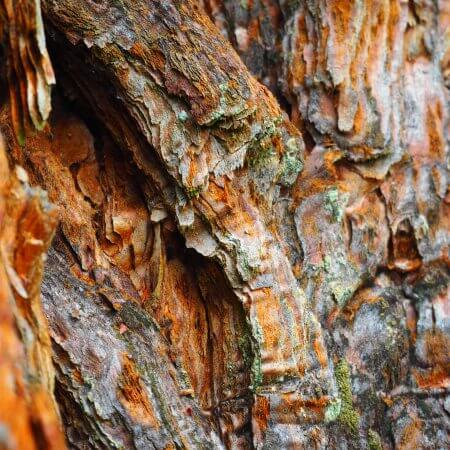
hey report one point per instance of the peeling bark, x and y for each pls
(29, 70)
(29, 414)
(240, 265)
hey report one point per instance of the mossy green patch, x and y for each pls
(244, 344)
(348, 416)
(261, 148)
(373, 440)
(341, 293)
(193, 192)
(256, 369)
(256, 373)
(260, 154)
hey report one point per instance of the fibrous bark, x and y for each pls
(28, 415)
(229, 272)
(28, 67)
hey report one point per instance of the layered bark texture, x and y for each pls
(28, 415)
(254, 215)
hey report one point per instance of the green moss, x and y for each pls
(256, 373)
(341, 293)
(348, 416)
(245, 348)
(193, 192)
(256, 369)
(261, 148)
(260, 154)
(373, 440)
(20, 136)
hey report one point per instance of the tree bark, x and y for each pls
(253, 208)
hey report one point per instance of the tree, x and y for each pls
(253, 209)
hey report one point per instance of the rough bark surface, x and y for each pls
(28, 414)
(254, 210)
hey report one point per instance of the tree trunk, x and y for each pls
(254, 216)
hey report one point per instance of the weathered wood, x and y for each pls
(229, 273)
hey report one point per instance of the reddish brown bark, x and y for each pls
(238, 267)
(28, 415)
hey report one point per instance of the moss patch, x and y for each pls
(373, 440)
(261, 154)
(256, 369)
(348, 416)
(193, 192)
